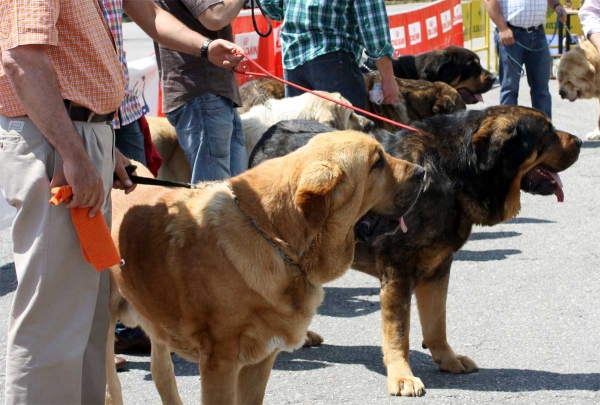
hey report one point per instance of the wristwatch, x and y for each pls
(204, 49)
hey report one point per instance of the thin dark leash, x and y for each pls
(266, 17)
(265, 73)
(175, 184)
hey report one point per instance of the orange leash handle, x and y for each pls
(96, 243)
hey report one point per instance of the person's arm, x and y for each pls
(589, 14)
(33, 79)
(389, 85)
(374, 28)
(558, 9)
(273, 9)
(504, 32)
(219, 15)
(167, 30)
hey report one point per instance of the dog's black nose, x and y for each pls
(419, 173)
(578, 142)
(562, 93)
(369, 126)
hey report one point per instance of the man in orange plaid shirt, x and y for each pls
(60, 83)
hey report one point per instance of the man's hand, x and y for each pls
(506, 36)
(389, 85)
(123, 182)
(224, 53)
(86, 184)
(562, 13)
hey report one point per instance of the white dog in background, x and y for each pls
(255, 122)
(307, 106)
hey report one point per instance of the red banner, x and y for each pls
(433, 26)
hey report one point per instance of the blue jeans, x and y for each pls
(129, 140)
(537, 65)
(335, 71)
(210, 133)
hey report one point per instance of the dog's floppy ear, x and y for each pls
(317, 180)
(489, 141)
(435, 68)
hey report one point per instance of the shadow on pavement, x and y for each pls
(8, 279)
(590, 145)
(487, 379)
(493, 235)
(485, 255)
(349, 302)
(524, 220)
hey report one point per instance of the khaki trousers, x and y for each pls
(59, 317)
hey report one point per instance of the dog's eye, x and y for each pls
(379, 163)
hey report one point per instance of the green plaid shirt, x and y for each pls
(315, 27)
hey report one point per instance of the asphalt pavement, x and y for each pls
(524, 304)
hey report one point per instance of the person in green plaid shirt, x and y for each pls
(322, 42)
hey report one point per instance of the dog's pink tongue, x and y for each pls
(560, 195)
(403, 225)
(479, 97)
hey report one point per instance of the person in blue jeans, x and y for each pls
(321, 45)
(200, 98)
(210, 133)
(520, 40)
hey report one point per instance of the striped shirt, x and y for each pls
(78, 45)
(312, 28)
(130, 110)
(524, 13)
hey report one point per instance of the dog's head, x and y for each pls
(517, 148)
(576, 75)
(347, 174)
(460, 68)
(338, 116)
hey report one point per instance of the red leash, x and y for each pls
(266, 73)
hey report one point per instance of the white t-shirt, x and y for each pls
(524, 13)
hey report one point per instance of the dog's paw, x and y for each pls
(312, 339)
(408, 386)
(593, 136)
(458, 365)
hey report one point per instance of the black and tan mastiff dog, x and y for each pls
(477, 163)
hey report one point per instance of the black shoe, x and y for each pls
(134, 342)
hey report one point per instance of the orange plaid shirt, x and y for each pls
(78, 43)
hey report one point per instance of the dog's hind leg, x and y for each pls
(252, 381)
(431, 301)
(395, 313)
(163, 373)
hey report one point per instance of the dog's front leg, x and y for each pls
(252, 381)
(395, 312)
(595, 135)
(431, 301)
(163, 374)
(219, 371)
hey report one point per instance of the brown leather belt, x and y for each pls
(79, 113)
